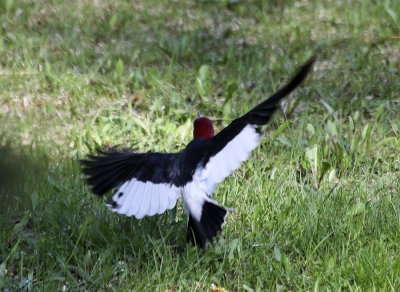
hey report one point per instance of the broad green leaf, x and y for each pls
(273, 171)
(310, 129)
(256, 212)
(226, 110)
(325, 166)
(328, 107)
(389, 140)
(284, 140)
(355, 143)
(119, 68)
(331, 127)
(113, 21)
(366, 132)
(9, 5)
(281, 288)
(2, 269)
(332, 175)
(200, 87)
(277, 254)
(391, 12)
(351, 124)
(338, 150)
(356, 115)
(247, 288)
(312, 155)
(356, 209)
(232, 247)
(204, 72)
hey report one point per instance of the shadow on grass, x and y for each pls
(53, 195)
(21, 170)
(48, 218)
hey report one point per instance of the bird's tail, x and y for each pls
(211, 221)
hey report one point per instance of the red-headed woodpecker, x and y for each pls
(150, 183)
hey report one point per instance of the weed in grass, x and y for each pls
(317, 204)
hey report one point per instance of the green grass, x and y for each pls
(317, 203)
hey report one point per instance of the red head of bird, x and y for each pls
(203, 127)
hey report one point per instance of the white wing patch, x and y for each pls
(229, 158)
(139, 199)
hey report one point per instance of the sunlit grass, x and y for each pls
(317, 204)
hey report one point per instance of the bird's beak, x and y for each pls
(199, 115)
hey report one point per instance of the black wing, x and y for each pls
(147, 183)
(225, 152)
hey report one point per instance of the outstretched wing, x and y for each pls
(146, 183)
(225, 152)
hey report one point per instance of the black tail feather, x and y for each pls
(212, 219)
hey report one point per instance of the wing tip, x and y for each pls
(261, 114)
(306, 68)
(298, 78)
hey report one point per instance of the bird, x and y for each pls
(149, 183)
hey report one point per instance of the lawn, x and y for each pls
(317, 204)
